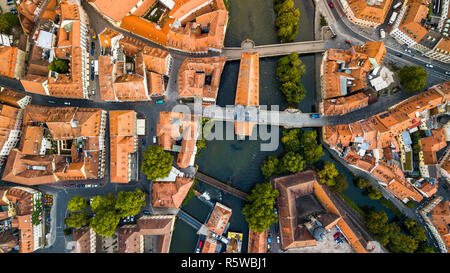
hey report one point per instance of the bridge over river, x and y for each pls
(222, 186)
(234, 53)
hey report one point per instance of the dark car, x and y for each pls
(92, 73)
(52, 101)
(399, 55)
(144, 142)
(445, 186)
(147, 212)
(92, 45)
(331, 4)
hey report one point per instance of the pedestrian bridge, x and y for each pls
(234, 53)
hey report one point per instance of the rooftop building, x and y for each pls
(58, 144)
(170, 194)
(185, 25)
(344, 105)
(200, 78)
(123, 135)
(13, 62)
(344, 71)
(257, 242)
(217, 223)
(301, 197)
(20, 202)
(366, 13)
(85, 240)
(151, 234)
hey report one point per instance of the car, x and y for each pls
(94, 36)
(159, 101)
(278, 239)
(315, 116)
(95, 185)
(14, 11)
(269, 240)
(92, 52)
(93, 91)
(197, 250)
(132, 218)
(66, 103)
(268, 246)
(447, 72)
(347, 41)
(144, 142)
(147, 212)
(10, 2)
(90, 200)
(92, 73)
(154, 139)
(330, 4)
(429, 65)
(336, 235)
(52, 101)
(200, 244)
(399, 55)
(408, 50)
(92, 45)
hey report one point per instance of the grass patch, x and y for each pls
(407, 166)
(352, 204)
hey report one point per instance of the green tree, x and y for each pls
(292, 163)
(409, 223)
(156, 163)
(259, 212)
(418, 233)
(413, 78)
(374, 193)
(270, 167)
(400, 243)
(105, 222)
(291, 139)
(59, 66)
(426, 248)
(67, 231)
(100, 203)
(77, 203)
(130, 203)
(290, 68)
(328, 173)
(340, 183)
(376, 222)
(310, 150)
(410, 204)
(287, 20)
(294, 92)
(77, 220)
(363, 183)
(7, 22)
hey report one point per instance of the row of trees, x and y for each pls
(287, 20)
(408, 238)
(259, 212)
(302, 149)
(290, 70)
(371, 191)
(104, 213)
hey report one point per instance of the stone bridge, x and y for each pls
(234, 53)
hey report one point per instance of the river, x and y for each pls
(240, 160)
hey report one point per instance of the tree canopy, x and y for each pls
(287, 20)
(328, 173)
(77, 203)
(259, 212)
(130, 203)
(60, 66)
(374, 193)
(413, 78)
(7, 22)
(340, 183)
(292, 163)
(303, 142)
(105, 222)
(77, 220)
(363, 183)
(270, 167)
(290, 69)
(156, 163)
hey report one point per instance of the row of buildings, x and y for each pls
(343, 77)
(382, 147)
(415, 25)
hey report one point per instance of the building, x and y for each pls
(344, 105)
(84, 240)
(10, 120)
(20, 203)
(67, 41)
(58, 144)
(200, 78)
(195, 26)
(151, 234)
(437, 217)
(124, 145)
(411, 29)
(366, 13)
(257, 242)
(247, 92)
(217, 223)
(131, 71)
(175, 127)
(307, 209)
(170, 194)
(13, 62)
(344, 71)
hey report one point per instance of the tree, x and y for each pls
(67, 231)
(374, 193)
(77, 203)
(77, 220)
(259, 212)
(418, 233)
(292, 163)
(400, 243)
(287, 20)
(156, 163)
(103, 203)
(363, 183)
(105, 223)
(130, 203)
(376, 222)
(7, 22)
(410, 204)
(290, 69)
(340, 183)
(328, 174)
(409, 223)
(426, 248)
(413, 78)
(270, 167)
(291, 140)
(310, 150)
(60, 66)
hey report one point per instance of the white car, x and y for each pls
(447, 72)
(429, 65)
(278, 239)
(67, 103)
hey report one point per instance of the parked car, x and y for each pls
(92, 73)
(154, 139)
(330, 4)
(408, 50)
(278, 239)
(336, 235)
(347, 41)
(93, 91)
(159, 101)
(147, 212)
(144, 142)
(66, 103)
(269, 240)
(52, 101)
(429, 65)
(315, 116)
(132, 218)
(447, 72)
(399, 55)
